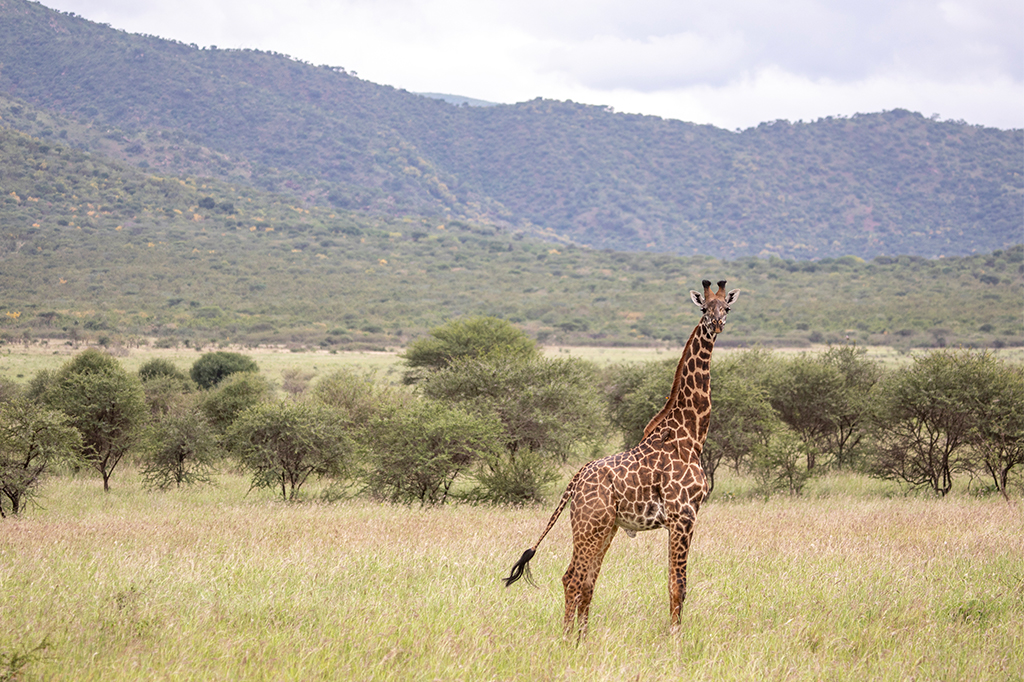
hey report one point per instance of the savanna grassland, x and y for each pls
(143, 211)
(19, 363)
(853, 581)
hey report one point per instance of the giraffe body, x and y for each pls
(657, 484)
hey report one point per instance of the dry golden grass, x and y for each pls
(213, 584)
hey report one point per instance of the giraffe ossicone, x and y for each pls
(659, 483)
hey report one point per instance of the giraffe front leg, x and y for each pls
(678, 549)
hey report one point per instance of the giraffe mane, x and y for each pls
(670, 402)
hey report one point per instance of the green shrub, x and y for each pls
(104, 402)
(33, 440)
(232, 396)
(476, 337)
(212, 368)
(283, 443)
(419, 450)
(182, 449)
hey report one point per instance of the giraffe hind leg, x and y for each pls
(571, 585)
(579, 582)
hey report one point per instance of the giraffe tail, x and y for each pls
(521, 569)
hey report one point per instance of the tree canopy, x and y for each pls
(104, 402)
(34, 440)
(212, 368)
(472, 338)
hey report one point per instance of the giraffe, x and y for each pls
(658, 484)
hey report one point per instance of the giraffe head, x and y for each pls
(715, 305)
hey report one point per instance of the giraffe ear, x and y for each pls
(731, 297)
(697, 299)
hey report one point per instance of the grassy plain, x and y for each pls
(19, 363)
(853, 581)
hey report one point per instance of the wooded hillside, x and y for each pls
(93, 249)
(887, 183)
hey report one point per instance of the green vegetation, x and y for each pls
(950, 411)
(499, 427)
(34, 441)
(846, 583)
(421, 448)
(222, 405)
(549, 409)
(97, 252)
(213, 368)
(283, 443)
(874, 184)
(206, 581)
(474, 338)
(103, 402)
(182, 449)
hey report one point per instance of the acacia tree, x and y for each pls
(356, 397)
(549, 410)
(104, 402)
(222, 404)
(418, 450)
(182, 448)
(33, 440)
(850, 422)
(742, 418)
(212, 368)
(283, 443)
(779, 464)
(475, 337)
(925, 418)
(998, 439)
(808, 395)
(166, 387)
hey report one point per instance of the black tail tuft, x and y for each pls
(521, 569)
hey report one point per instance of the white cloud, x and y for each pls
(772, 94)
(650, 64)
(728, 62)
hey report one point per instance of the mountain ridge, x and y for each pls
(872, 184)
(93, 249)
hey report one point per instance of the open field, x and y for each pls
(210, 583)
(20, 363)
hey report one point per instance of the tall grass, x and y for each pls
(211, 583)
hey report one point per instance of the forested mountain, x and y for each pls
(887, 183)
(94, 249)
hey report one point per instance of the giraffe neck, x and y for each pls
(688, 408)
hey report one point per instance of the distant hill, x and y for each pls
(458, 100)
(95, 249)
(875, 184)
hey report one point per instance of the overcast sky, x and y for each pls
(731, 63)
